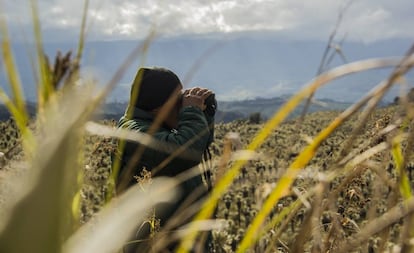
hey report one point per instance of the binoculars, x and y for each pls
(211, 105)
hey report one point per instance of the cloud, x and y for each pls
(237, 93)
(368, 20)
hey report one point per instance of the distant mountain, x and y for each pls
(236, 69)
(228, 110)
(267, 107)
(114, 110)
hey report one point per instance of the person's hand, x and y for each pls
(196, 97)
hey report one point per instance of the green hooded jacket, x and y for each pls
(194, 126)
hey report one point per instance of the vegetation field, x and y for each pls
(331, 207)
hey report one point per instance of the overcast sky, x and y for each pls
(364, 20)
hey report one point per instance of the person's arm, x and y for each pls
(192, 131)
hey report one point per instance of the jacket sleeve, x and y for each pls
(193, 130)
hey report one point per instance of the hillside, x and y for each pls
(350, 201)
(228, 110)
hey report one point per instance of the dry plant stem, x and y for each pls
(334, 230)
(365, 145)
(140, 49)
(392, 201)
(99, 236)
(336, 227)
(222, 185)
(224, 159)
(348, 178)
(403, 209)
(82, 33)
(179, 151)
(285, 217)
(338, 50)
(199, 62)
(408, 230)
(45, 90)
(16, 105)
(376, 197)
(406, 244)
(188, 208)
(351, 173)
(184, 212)
(12, 74)
(325, 59)
(405, 65)
(139, 151)
(143, 138)
(405, 189)
(315, 218)
(303, 234)
(58, 149)
(345, 115)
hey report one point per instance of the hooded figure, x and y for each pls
(177, 120)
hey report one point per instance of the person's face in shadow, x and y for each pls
(171, 118)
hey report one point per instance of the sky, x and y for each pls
(364, 20)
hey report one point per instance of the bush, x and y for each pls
(255, 118)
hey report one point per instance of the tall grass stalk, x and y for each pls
(45, 89)
(38, 216)
(304, 157)
(404, 181)
(401, 210)
(16, 105)
(42, 220)
(141, 49)
(283, 184)
(98, 235)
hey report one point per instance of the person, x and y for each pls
(178, 120)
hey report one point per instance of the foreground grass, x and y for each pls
(336, 183)
(348, 200)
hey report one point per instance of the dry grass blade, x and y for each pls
(103, 130)
(289, 212)
(325, 58)
(16, 105)
(143, 138)
(315, 217)
(45, 90)
(140, 49)
(377, 225)
(82, 32)
(401, 69)
(404, 181)
(122, 215)
(284, 217)
(11, 70)
(41, 219)
(269, 126)
(199, 62)
(307, 154)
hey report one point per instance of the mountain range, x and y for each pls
(227, 110)
(235, 68)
